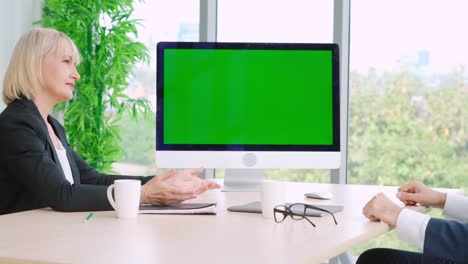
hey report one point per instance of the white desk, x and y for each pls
(228, 237)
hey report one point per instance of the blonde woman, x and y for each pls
(37, 167)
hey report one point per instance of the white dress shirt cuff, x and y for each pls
(411, 227)
(456, 207)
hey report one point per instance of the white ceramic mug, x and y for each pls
(272, 193)
(127, 197)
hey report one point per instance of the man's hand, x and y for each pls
(381, 208)
(175, 187)
(416, 192)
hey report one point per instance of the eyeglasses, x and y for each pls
(297, 211)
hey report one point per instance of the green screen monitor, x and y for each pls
(247, 105)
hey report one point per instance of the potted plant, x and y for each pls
(103, 33)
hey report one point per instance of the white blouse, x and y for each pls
(62, 155)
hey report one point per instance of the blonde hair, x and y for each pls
(23, 77)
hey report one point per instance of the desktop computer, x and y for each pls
(247, 106)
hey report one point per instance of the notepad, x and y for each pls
(182, 208)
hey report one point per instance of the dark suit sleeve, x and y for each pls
(25, 157)
(29, 162)
(446, 242)
(88, 175)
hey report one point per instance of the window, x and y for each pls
(296, 21)
(16, 18)
(408, 94)
(275, 21)
(160, 21)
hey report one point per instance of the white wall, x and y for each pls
(16, 17)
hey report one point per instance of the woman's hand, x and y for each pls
(173, 187)
(416, 192)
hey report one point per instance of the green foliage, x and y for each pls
(138, 140)
(103, 33)
(401, 128)
(317, 176)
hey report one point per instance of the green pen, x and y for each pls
(88, 218)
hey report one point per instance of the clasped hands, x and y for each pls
(175, 187)
(381, 208)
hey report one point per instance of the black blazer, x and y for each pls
(31, 176)
(446, 242)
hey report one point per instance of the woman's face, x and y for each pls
(59, 73)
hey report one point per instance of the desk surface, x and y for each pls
(228, 237)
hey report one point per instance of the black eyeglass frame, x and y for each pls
(286, 211)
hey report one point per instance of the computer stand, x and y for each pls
(242, 180)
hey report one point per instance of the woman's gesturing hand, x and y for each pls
(175, 187)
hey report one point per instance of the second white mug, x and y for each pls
(272, 193)
(127, 197)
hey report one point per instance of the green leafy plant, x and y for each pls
(102, 31)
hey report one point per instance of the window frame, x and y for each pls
(341, 26)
